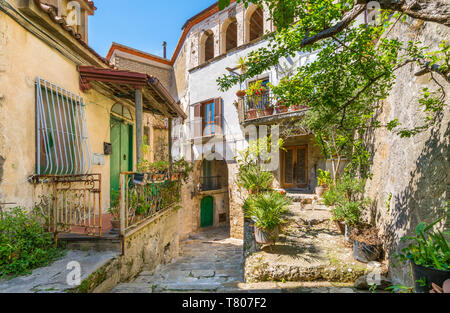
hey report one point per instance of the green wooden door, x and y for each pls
(207, 211)
(121, 159)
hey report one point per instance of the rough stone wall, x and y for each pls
(415, 171)
(156, 243)
(237, 198)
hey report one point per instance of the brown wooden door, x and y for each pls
(295, 167)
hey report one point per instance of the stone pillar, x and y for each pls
(139, 125)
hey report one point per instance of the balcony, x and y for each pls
(263, 109)
(210, 183)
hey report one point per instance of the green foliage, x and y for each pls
(255, 180)
(347, 197)
(266, 209)
(324, 178)
(400, 289)
(115, 204)
(427, 248)
(252, 175)
(256, 89)
(24, 243)
(331, 197)
(353, 72)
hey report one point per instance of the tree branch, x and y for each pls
(428, 10)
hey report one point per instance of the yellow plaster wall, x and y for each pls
(24, 58)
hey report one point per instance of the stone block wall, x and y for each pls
(155, 243)
(414, 172)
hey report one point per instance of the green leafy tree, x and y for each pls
(355, 68)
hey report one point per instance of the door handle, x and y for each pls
(124, 157)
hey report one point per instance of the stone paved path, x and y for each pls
(209, 261)
(212, 262)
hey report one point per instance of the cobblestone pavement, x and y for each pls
(209, 261)
(212, 262)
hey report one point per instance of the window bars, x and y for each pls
(62, 142)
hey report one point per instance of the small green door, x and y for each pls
(121, 159)
(207, 211)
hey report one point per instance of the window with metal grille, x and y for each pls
(62, 143)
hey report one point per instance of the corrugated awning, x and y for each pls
(122, 84)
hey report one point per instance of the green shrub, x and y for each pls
(428, 248)
(348, 211)
(24, 244)
(347, 197)
(331, 197)
(324, 178)
(252, 177)
(266, 209)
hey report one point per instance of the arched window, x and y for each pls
(207, 46)
(121, 111)
(231, 35)
(257, 24)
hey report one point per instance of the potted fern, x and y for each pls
(429, 255)
(266, 210)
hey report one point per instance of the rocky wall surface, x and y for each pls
(411, 176)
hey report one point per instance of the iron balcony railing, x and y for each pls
(209, 183)
(258, 105)
(143, 195)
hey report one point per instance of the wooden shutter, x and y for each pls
(218, 116)
(197, 120)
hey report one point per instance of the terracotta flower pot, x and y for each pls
(320, 190)
(251, 114)
(282, 109)
(115, 224)
(268, 111)
(241, 93)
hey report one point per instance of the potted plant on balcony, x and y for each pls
(252, 113)
(266, 210)
(241, 93)
(428, 254)
(268, 109)
(281, 107)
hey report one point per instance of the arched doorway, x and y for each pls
(207, 212)
(121, 137)
(211, 181)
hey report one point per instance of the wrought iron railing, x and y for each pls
(144, 195)
(71, 203)
(258, 105)
(210, 183)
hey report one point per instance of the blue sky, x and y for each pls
(141, 24)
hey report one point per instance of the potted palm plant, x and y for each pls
(266, 210)
(429, 255)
